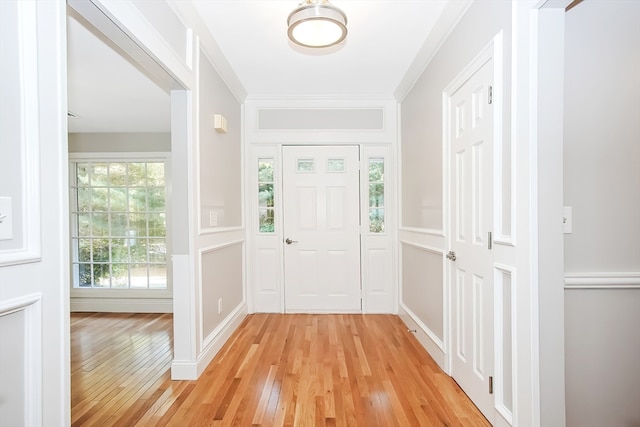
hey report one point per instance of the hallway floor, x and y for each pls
(275, 370)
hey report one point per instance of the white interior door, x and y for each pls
(321, 228)
(471, 278)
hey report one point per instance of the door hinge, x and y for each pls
(490, 385)
(490, 90)
(490, 240)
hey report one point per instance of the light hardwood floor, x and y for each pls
(276, 370)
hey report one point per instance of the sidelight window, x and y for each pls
(376, 195)
(266, 206)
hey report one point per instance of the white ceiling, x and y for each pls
(106, 91)
(384, 37)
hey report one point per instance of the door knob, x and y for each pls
(288, 241)
(451, 255)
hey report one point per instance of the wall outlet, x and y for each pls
(219, 305)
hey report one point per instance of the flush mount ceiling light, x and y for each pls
(317, 23)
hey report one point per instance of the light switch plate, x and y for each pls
(213, 219)
(6, 218)
(567, 219)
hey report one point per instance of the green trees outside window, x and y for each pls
(266, 208)
(119, 225)
(376, 195)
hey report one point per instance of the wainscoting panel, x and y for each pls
(20, 196)
(221, 285)
(602, 349)
(422, 289)
(378, 278)
(504, 285)
(21, 361)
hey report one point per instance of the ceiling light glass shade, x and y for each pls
(316, 23)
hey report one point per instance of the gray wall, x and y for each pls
(602, 136)
(221, 281)
(422, 112)
(220, 153)
(220, 184)
(602, 184)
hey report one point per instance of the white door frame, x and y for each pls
(265, 271)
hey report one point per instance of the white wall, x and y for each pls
(117, 142)
(602, 185)
(34, 274)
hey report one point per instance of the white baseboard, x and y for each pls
(188, 370)
(425, 336)
(183, 370)
(122, 305)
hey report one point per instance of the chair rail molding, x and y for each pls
(599, 280)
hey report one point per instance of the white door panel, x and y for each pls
(322, 221)
(34, 248)
(471, 131)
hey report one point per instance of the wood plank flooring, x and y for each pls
(276, 370)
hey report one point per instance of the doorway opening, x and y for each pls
(123, 250)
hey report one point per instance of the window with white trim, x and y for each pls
(376, 195)
(266, 206)
(118, 224)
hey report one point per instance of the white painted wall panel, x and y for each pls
(13, 378)
(36, 278)
(266, 270)
(11, 122)
(119, 142)
(321, 118)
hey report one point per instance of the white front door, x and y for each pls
(471, 278)
(321, 228)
